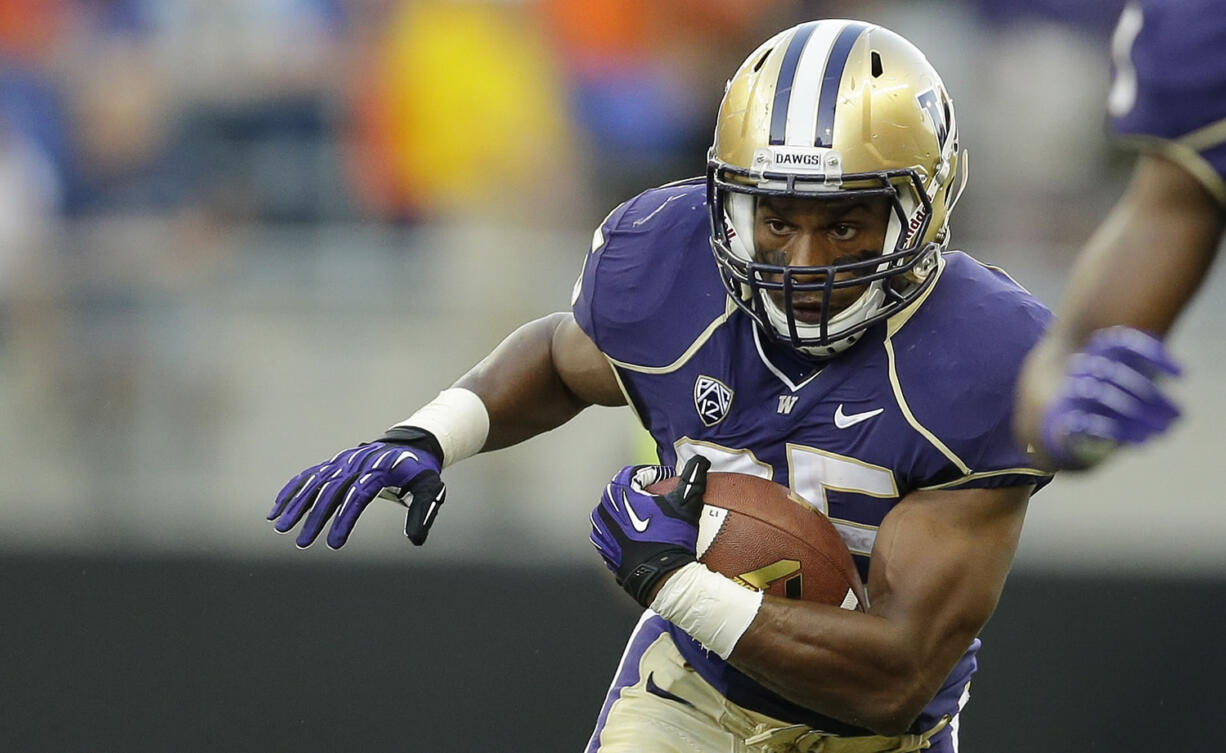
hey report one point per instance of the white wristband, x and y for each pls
(712, 609)
(458, 420)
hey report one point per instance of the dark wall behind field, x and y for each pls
(160, 655)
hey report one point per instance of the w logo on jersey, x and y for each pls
(712, 398)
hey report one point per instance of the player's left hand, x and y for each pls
(644, 536)
(1109, 396)
(405, 463)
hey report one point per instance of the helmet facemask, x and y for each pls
(891, 280)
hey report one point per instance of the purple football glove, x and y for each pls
(644, 536)
(1110, 396)
(406, 462)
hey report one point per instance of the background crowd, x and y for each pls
(236, 234)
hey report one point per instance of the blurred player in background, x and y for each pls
(1093, 383)
(831, 345)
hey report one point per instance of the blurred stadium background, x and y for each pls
(238, 235)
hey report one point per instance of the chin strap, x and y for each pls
(962, 177)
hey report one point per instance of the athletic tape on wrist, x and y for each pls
(712, 609)
(458, 419)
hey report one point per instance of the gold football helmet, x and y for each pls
(834, 109)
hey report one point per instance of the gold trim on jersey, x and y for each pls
(987, 474)
(625, 393)
(729, 309)
(719, 463)
(772, 368)
(896, 386)
(1205, 137)
(893, 326)
(1187, 157)
(896, 322)
(968, 474)
(879, 472)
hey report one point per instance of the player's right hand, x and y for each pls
(643, 536)
(405, 462)
(1109, 396)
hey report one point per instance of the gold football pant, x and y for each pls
(659, 704)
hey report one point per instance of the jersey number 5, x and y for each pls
(811, 472)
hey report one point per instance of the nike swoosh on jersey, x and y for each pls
(843, 420)
(661, 692)
(640, 524)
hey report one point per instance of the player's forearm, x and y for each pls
(859, 668)
(521, 387)
(1139, 270)
(1146, 260)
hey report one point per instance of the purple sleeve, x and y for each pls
(583, 300)
(649, 285)
(1169, 92)
(957, 363)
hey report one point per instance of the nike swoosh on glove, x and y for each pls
(642, 536)
(404, 463)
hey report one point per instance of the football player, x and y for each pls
(793, 315)
(1094, 383)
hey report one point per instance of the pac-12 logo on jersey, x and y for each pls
(712, 398)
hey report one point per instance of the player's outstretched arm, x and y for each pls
(541, 376)
(1093, 382)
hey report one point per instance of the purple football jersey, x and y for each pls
(923, 401)
(1170, 84)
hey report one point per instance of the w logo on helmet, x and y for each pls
(932, 105)
(712, 398)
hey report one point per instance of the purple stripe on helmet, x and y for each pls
(830, 81)
(787, 76)
(645, 633)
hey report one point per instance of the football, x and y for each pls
(759, 534)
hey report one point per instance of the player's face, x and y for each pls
(805, 232)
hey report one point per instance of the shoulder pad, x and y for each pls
(956, 362)
(1169, 92)
(649, 286)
